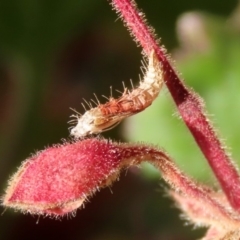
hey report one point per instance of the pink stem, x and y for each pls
(182, 184)
(188, 103)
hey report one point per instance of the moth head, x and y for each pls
(93, 122)
(85, 125)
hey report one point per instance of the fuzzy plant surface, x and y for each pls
(58, 180)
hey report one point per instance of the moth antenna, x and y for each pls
(131, 84)
(96, 103)
(96, 99)
(111, 91)
(74, 110)
(119, 91)
(72, 124)
(73, 116)
(124, 87)
(88, 103)
(125, 91)
(73, 120)
(106, 97)
(84, 107)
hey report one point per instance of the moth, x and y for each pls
(106, 116)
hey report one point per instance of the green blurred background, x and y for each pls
(54, 53)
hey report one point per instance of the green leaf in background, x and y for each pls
(209, 60)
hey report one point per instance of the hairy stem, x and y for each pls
(188, 103)
(183, 185)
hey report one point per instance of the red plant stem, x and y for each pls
(181, 183)
(188, 103)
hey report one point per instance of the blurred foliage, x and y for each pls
(209, 62)
(54, 53)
